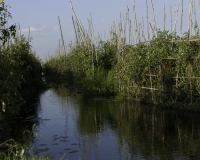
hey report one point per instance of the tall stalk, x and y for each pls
(154, 19)
(135, 24)
(75, 30)
(171, 17)
(63, 43)
(164, 16)
(79, 25)
(189, 19)
(181, 25)
(176, 14)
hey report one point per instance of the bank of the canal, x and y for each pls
(75, 128)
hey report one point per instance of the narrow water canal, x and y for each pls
(80, 128)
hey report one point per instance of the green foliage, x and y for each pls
(17, 151)
(107, 55)
(102, 83)
(92, 70)
(5, 33)
(27, 62)
(19, 67)
(164, 70)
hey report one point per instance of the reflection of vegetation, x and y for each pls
(19, 130)
(146, 131)
(141, 130)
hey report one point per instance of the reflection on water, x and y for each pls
(80, 128)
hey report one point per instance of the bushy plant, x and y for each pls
(91, 69)
(19, 67)
(164, 70)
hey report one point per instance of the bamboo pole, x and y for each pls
(199, 5)
(75, 30)
(129, 27)
(189, 20)
(171, 17)
(29, 31)
(118, 42)
(19, 30)
(152, 29)
(125, 23)
(92, 49)
(192, 7)
(147, 17)
(29, 38)
(79, 24)
(80, 38)
(89, 31)
(135, 23)
(181, 26)
(195, 19)
(130, 33)
(155, 89)
(63, 43)
(164, 16)
(95, 39)
(186, 77)
(176, 14)
(143, 34)
(133, 40)
(154, 19)
(139, 25)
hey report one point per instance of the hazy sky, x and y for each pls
(42, 17)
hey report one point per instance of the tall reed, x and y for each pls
(153, 66)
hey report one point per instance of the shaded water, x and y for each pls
(80, 128)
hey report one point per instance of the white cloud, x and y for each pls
(33, 29)
(55, 28)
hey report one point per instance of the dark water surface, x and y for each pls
(105, 129)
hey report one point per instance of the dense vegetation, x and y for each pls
(162, 71)
(20, 79)
(159, 67)
(20, 69)
(77, 69)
